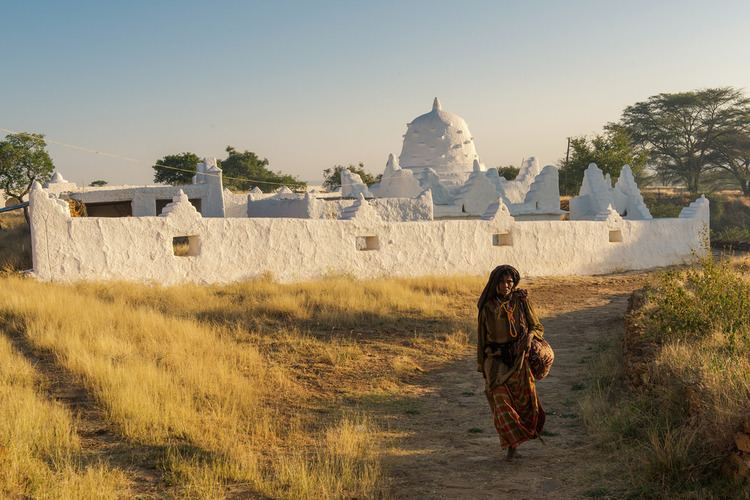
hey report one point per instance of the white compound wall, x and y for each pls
(233, 249)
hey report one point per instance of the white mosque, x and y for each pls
(440, 141)
(437, 175)
(439, 154)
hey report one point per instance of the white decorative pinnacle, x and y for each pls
(211, 165)
(610, 215)
(180, 207)
(497, 211)
(391, 165)
(361, 211)
(436, 105)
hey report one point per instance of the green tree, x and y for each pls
(509, 172)
(244, 171)
(98, 183)
(733, 156)
(23, 160)
(610, 151)
(176, 169)
(683, 131)
(332, 176)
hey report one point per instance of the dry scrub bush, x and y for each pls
(675, 428)
(40, 453)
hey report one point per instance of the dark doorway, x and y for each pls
(110, 209)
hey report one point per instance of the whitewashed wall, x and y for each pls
(310, 207)
(140, 248)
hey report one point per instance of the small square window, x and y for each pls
(368, 243)
(502, 240)
(615, 236)
(186, 246)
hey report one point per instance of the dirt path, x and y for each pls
(448, 447)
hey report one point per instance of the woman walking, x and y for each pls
(507, 329)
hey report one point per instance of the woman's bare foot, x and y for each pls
(511, 454)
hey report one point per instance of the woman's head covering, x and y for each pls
(490, 289)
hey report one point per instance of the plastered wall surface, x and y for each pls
(140, 248)
(310, 207)
(235, 204)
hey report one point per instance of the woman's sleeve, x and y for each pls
(535, 326)
(481, 330)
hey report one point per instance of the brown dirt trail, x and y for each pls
(447, 446)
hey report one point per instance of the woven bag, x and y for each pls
(541, 357)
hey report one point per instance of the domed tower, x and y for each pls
(442, 141)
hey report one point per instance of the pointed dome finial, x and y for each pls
(476, 166)
(392, 165)
(436, 104)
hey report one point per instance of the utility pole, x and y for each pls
(567, 158)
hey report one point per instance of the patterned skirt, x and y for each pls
(516, 411)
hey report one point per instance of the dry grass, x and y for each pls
(40, 452)
(253, 388)
(672, 431)
(15, 243)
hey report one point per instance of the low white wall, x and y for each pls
(235, 204)
(302, 207)
(140, 248)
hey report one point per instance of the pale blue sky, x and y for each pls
(312, 84)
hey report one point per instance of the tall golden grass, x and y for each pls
(15, 243)
(40, 452)
(229, 383)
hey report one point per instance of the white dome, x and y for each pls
(439, 140)
(57, 177)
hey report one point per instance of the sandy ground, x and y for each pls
(446, 445)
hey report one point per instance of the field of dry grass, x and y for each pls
(256, 387)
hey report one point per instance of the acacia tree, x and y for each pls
(332, 176)
(684, 131)
(732, 155)
(610, 151)
(23, 160)
(180, 168)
